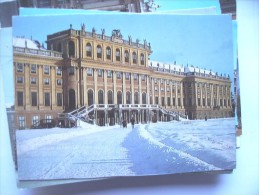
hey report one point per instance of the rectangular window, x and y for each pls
(225, 103)
(59, 81)
(168, 101)
(127, 75)
(118, 75)
(156, 100)
(208, 102)
(59, 99)
(48, 118)
(190, 101)
(21, 122)
(199, 101)
(135, 76)
(34, 101)
(162, 89)
(167, 89)
(167, 82)
(179, 102)
(100, 73)
(221, 103)
(20, 98)
(35, 120)
(173, 101)
(162, 81)
(33, 80)
(203, 101)
(178, 90)
(89, 72)
(59, 71)
(163, 101)
(19, 80)
(143, 77)
(19, 67)
(155, 88)
(109, 73)
(46, 81)
(47, 99)
(33, 68)
(46, 69)
(71, 71)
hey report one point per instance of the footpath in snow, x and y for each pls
(148, 149)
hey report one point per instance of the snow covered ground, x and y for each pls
(157, 148)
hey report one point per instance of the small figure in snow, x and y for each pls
(124, 123)
(132, 122)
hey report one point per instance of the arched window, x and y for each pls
(108, 53)
(99, 51)
(134, 57)
(142, 59)
(88, 50)
(90, 95)
(128, 98)
(71, 49)
(100, 97)
(110, 97)
(144, 98)
(126, 56)
(118, 55)
(136, 98)
(119, 97)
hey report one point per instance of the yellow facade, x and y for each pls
(100, 69)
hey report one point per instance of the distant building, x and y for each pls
(108, 5)
(105, 79)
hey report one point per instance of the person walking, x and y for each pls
(132, 122)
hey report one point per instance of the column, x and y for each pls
(211, 96)
(105, 88)
(40, 86)
(114, 87)
(148, 91)
(53, 87)
(159, 91)
(196, 94)
(165, 88)
(139, 88)
(181, 91)
(123, 88)
(153, 91)
(217, 95)
(171, 93)
(176, 94)
(206, 95)
(132, 87)
(95, 87)
(27, 87)
(201, 87)
(85, 86)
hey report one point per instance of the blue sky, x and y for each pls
(203, 41)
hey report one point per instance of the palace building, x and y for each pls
(106, 79)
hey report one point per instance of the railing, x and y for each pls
(38, 52)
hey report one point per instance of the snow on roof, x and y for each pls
(27, 43)
(168, 66)
(181, 68)
(198, 70)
